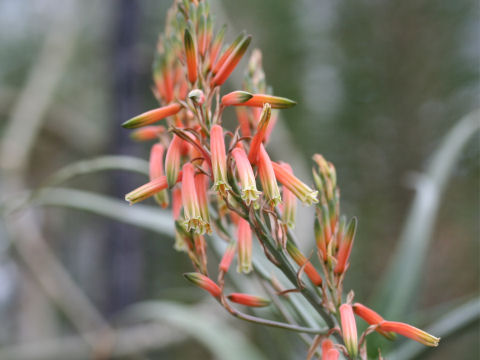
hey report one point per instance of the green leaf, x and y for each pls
(144, 216)
(102, 163)
(223, 341)
(400, 283)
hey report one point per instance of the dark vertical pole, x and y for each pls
(124, 251)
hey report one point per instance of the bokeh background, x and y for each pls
(379, 84)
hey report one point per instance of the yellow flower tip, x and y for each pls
(250, 195)
(310, 198)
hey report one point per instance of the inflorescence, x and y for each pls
(216, 185)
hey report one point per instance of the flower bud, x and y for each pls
(204, 34)
(248, 300)
(191, 208)
(289, 203)
(349, 329)
(197, 96)
(217, 44)
(410, 332)
(247, 178)
(320, 238)
(147, 190)
(191, 56)
(201, 183)
(271, 126)
(152, 116)
(172, 160)
(277, 102)
(301, 260)
(260, 134)
(200, 251)
(267, 178)
(228, 256)
(292, 183)
(231, 62)
(346, 247)
(331, 354)
(147, 133)
(219, 160)
(204, 282)
(236, 98)
(327, 344)
(372, 318)
(221, 61)
(243, 120)
(244, 241)
(156, 171)
(176, 202)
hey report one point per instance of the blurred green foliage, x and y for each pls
(378, 84)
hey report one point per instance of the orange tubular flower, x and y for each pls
(182, 89)
(168, 83)
(149, 189)
(228, 51)
(349, 330)
(260, 134)
(147, 133)
(204, 282)
(201, 183)
(244, 240)
(331, 354)
(236, 98)
(156, 161)
(201, 249)
(372, 318)
(152, 116)
(243, 120)
(248, 300)
(156, 171)
(191, 56)
(267, 177)
(270, 127)
(289, 203)
(411, 332)
(176, 202)
(219, 160)
(327, 344)
(216, 45)
(204, 34)
(277, 102)
(320, 239)
(228, 257)
(301, 190)
(172, 160)
(301, 260)
(247, 178)
(231, 62)
(346, 247)
(326, 223)
(191, 208)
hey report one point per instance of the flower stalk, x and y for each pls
(214, 187)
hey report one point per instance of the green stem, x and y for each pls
(257, 320)
(290, 273)
(294, 301)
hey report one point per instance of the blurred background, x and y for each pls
(379, 85)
